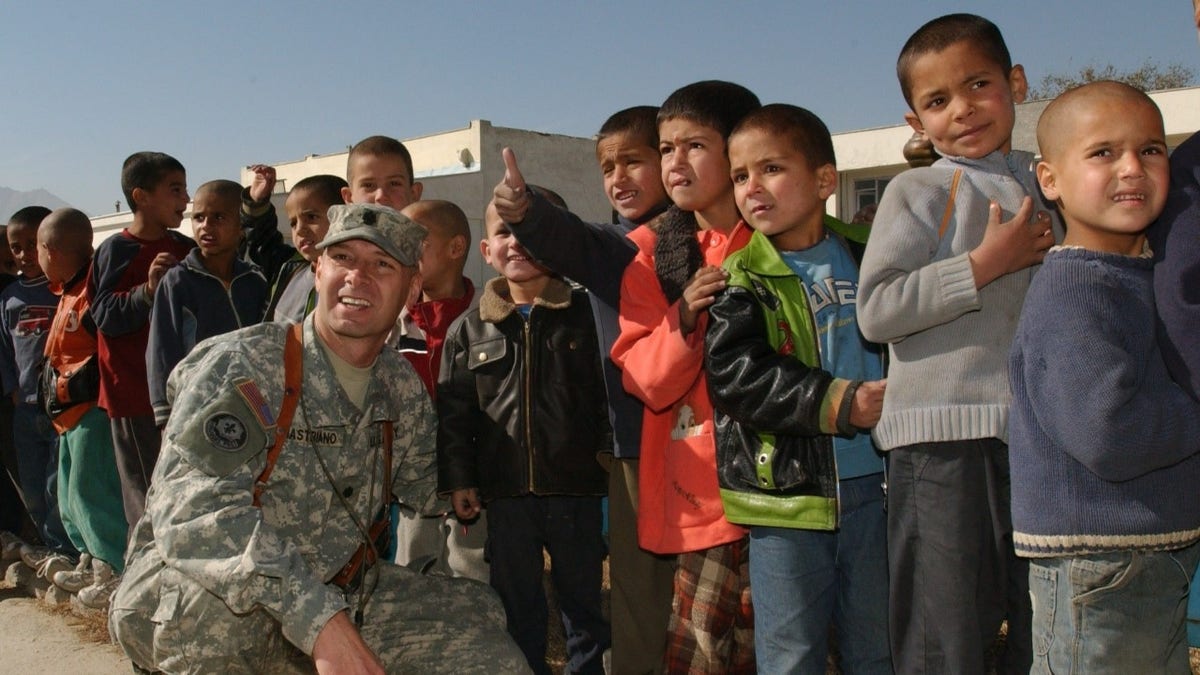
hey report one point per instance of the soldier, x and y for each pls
(245, 560)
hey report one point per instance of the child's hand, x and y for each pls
(466, 503)
(263, 184)
(867, 405)
(158, 267)
(699, 294)
(510, 196)
(1012, 245)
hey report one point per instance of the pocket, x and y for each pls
(692, 496)
(1095, 576)
(1043, 593)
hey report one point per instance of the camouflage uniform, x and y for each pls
(215, 584)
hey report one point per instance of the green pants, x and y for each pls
(89, 490)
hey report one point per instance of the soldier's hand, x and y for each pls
(263, 184)
(510, 196)
(466, 503)
(340, 649)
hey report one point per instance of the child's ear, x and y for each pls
(914, 122)
(346, 194)
(458, 246)
(1017, 84)
(485, 251)
(417, 189)
(827, 179)
(1047, 180)
(138, 195)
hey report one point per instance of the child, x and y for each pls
(420, 333)
(596, 255)
(521, 418)
(89, 488)
(445, 292)
(792, 380)
(1104, 460)
(125, 275)
(664, 293)
(288, 268)
(942, 281)
(26, 310)
(379, 170)
(211, 292)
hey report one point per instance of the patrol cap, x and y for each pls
(387, 228)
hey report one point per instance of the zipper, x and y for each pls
(527, 398)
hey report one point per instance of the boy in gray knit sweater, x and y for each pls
(945, 272)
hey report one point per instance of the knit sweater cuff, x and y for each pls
(957, 279)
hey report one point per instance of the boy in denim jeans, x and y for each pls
(796, 387)
(1103, 443)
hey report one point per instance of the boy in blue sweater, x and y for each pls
(26, 311)
(211, 292)
(1104, 444)
(952, 250)
(793, 381)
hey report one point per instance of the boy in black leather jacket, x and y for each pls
(521, 418)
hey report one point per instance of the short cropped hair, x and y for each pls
(639, 123)
(712, 103)
(804, 130)
(30, 216)
(225, 189)
(381, 146)
(325, 187)
(145, 170)
(69, 231)
(947, 30)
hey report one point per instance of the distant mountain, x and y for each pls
(12, 201)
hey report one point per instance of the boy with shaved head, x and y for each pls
(456, 548)
(89, 488)
(1103, 443)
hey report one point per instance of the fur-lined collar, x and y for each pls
(496, 303)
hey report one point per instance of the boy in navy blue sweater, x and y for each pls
(211, 292)
(1103, 444)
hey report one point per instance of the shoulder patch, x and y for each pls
(225, 432)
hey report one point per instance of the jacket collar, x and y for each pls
(495, 305)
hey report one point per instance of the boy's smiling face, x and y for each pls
(380, 179)
(777, 191)
(695, 170)
(632, 180)
(963, 101)
(165, 204)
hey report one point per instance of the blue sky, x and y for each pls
(224, 84)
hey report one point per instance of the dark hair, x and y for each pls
(69, 231)
(807, 133)
(639, 123)
(712, 103)
(145, 170)
(324, 186)
(947, 30)
(30, 216)
(381, 146)
(225, 189)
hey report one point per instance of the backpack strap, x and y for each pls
(949, 212)
(293, 369)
